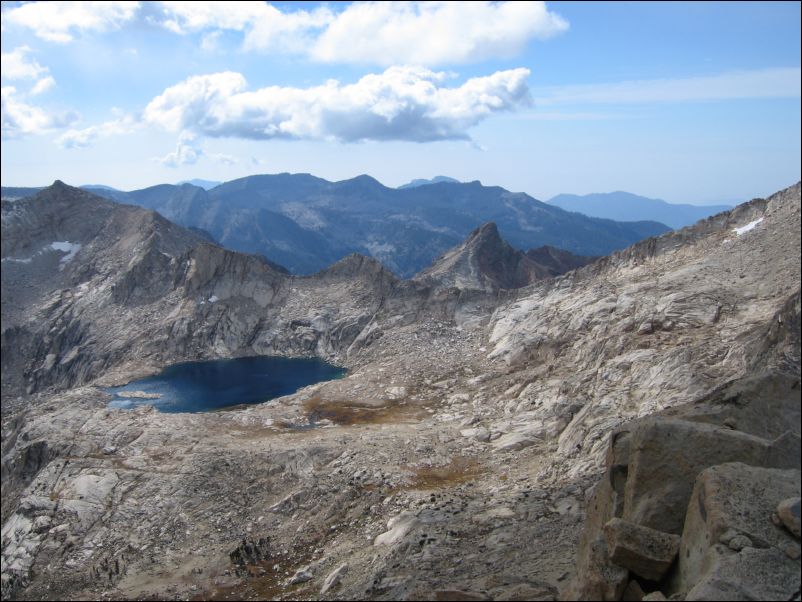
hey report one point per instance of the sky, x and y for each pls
(689, 102)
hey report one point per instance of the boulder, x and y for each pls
(513, 442)
(788, 511)
(666, 456)
(596, 578)
(646, 552)
(333, 579)
(751, 574)
(398, 527)
(728, 526)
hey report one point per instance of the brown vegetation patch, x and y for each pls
(346, 413)
(459, 470)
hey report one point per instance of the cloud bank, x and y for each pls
(402, 103)
(61, 21)
(377, 33)
(780, 82)
(20, 118)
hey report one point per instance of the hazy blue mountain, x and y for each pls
(16, 192)
(557, 261)
(94, 187)
(422, 182)
(10, 193)
(306, 223)
(205, 184)
(625, 206)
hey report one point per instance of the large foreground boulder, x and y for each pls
(638, 510)
(731, 549)
(666, 456)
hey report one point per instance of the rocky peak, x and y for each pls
(484, 261)
(358, 267)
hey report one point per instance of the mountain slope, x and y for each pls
(627, 207)
(557, 261)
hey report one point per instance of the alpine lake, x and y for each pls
(218, 384)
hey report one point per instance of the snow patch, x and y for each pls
(28, 260)
(213, 299)
(70, 248)
(747, 227)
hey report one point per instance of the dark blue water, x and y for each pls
(204, 386)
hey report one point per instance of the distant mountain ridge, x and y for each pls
(625, 206)
(205, 184)
(306, 223)
(423, 182)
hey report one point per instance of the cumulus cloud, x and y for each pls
(20, 118)
(188, 152)
(60, 21)
(384, 33)
(402, 103)
(430, 33)
(43, 85)
(185, 153)
(16, 65)
(83, 138)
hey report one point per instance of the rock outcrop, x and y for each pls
(484, 262)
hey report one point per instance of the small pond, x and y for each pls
(215, 384)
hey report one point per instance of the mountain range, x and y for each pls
(530, 426)
(306, 223)
(625, 206)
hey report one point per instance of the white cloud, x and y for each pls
(432, 33)
(43, 85)
(15, 64)
(380, 33)
(184, 17)
(402, 103)
(211, 41)
(83, 138)
(187, 152)
(59, 21)
(383, 33)
(759, 83)
(20, 118)
(222, 158)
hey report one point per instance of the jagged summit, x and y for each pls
(484, 261)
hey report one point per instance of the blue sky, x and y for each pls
(690, 102)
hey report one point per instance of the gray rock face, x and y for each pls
(788, 511)
(644, 551)
(735, 501)
(665, 459)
